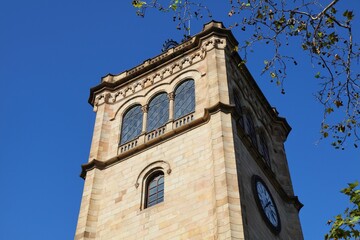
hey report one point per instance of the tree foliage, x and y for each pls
(322, 29)
(347, 225)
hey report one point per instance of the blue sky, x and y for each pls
(52, 52)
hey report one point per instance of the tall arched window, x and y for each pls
(158, 113)
(154, 189)
(264, 150)
(250, 129)
(184, 99)
(131, 124)
(239, 109)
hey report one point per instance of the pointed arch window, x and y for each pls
(158, 113)
(264, 150)
(239, 109)
(250, 129)
(131, 124)
(155, 189)
(184, 99)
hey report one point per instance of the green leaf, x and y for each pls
(329, 110)
(173, 6)
(138, 4)
(317, 75)
(304, 46)
(338, 103)
(341, 128)
(259, 15)
(349, 15)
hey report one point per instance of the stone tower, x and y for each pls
(186, 146)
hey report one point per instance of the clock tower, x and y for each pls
(186, 146)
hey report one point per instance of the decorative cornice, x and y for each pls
(130, 81)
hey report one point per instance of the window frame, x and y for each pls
(239, 109)
(264, 150)
(154, 175)
(176, 99)
(150, 114)
(123, 123)
(250, 129)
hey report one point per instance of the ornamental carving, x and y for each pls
(161, 74)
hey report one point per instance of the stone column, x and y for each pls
(145, 111)
(171, 97)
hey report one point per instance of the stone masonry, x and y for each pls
(207, 158)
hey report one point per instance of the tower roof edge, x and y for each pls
(111, 81)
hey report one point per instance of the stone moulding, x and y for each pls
(160, 164)
(137, 85)
(217, 37)
(208, 112)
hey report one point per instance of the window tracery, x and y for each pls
(264, 150)
(131, 124)
(154, 189)
(250, 129)
(158, 112)
(184, 99)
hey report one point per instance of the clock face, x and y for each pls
(266, 204)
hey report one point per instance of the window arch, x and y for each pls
(131, 124)
(184, 99)
(158, 113)
(250, 129)
(264, 150)
(154, 189)
(239, 109)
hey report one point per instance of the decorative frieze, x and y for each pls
(149, 80)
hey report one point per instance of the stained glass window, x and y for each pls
(131, 124)
(184, 99)
(155, 189)
(239, 109)
(250, 129)
(158, 113)
(264, 150)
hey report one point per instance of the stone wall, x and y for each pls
(207, 163)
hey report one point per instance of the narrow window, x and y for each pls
(158, 113)
(155, 189)
(184, 99)
(239, 109)
(264, 150)
(250, 129)
(131, 124)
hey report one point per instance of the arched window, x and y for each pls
(154, 189)
(239, 109)
(184, 99)
(250, 129)
(131, 124)
(264, 150)
(158, 113)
